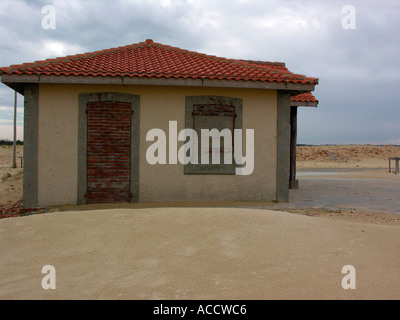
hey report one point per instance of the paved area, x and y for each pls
(333, 192)
(318, 188)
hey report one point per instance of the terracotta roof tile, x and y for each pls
(149, 59)
(304, 97)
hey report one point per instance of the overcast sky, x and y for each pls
(357, 60)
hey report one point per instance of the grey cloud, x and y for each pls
(359, 70)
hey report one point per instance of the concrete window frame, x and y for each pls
(206, 101)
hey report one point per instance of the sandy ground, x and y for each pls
(236, 252)
(346, 156)
(10, 178)
(197, 253)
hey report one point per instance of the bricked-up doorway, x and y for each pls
(108, 148)
(108, 152)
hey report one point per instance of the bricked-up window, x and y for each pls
(213, 113)
(108, 152)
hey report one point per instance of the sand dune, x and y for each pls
(345, 156)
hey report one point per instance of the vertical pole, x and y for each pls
(293, 183)
(283, 149)
(14, 161)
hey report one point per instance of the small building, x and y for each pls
(126, 125)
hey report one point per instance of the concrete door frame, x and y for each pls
(134, 100)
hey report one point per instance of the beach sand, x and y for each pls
(346, 156)
(196, 253)
(10, 178)
(201, 251)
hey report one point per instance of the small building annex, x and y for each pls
(126, 125)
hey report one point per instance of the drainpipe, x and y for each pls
(14, 161)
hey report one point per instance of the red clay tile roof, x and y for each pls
(155, 60)
(267, 64)
(304, 97)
